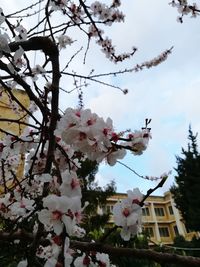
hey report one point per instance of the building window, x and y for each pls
(170, 210)
(159, 211)
(145, 212)
(176, 230)
(149, 231)
(164, 232)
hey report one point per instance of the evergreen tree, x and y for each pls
(187, 189)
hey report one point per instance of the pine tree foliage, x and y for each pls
(187, 188)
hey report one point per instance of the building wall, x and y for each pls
(161, 219)
(7, 112)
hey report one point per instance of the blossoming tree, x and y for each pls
(42, 206)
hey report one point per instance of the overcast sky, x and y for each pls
(168, 94)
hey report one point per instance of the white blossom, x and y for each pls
(2, 17)
(84, 261)
(57, 4)
(22, 33)
(139, 141)
(18, 61)
(22, 207)
(64, 40)
(4, 40)
(70, 184)
(128, 213)
(61, 211)
(67, 253)
(103, 259)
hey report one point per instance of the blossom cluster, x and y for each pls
(105, 13)
(153, 62)
(185, 8)
(96, 138)
(128, 213)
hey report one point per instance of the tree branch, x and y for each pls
(148, 254)
(137, 253)
(151, 190)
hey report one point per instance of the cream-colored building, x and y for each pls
(161, 219)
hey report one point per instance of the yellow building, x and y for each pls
(161, 219)
(10, 114)
(6, 111)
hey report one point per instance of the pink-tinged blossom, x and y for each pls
(23, 144)
(10, 160)
(138, 141)
(50, 253)
(64, 40)
(75, 215)
(78, 232)
(90, 133)
(103, 260)
(185, 8)
(53, 216)
(36, 71)
(155, 61)
(22, 207)
(5, 200)
(58, 4)
(105, 13)
(96, 7)
(93, 32)
(162, 176)
(39, 163)
(70, 185)
(33, 108)
(61, 211)
(84, 261)
(5, 206)
(65, 162)
(18, 61)
(96, 138)
(128, 213)
(135, 196)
